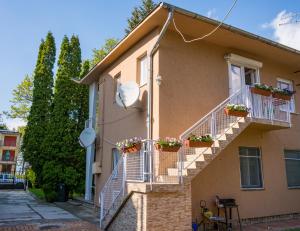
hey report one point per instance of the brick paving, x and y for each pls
(53, 226)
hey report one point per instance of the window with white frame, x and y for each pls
(250, 168)
(292, 166)
(242, 71)
(287, 85)
(115, 159)
(143, 70)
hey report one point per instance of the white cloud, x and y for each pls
(284, 30)
(212, 13)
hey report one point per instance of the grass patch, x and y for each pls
(292, 229)
(38, 192)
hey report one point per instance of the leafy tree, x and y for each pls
(98, 55)
(39, 114)
(22, 99)
(138, 14)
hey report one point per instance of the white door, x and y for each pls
(241, 76)
(235, 79)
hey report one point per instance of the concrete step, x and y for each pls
(167, 178)
(195, 157)
(174, 172)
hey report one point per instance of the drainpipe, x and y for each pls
(150, 78)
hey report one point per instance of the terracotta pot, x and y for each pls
(258, 91)
(197, 144)
(167, 149)
(281, 96)
(235, 113)
(133, 149)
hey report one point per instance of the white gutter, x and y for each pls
(150, 78)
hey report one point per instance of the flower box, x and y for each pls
(197, 144)
(167, 148)
(277, 95)
(235, 113)
(259, 91)
(135, 148)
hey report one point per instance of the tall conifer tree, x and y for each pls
(138, 14)
(39, 115)
(67, 121)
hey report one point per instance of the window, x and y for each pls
(10, 141)
(292, 167)
(242, 71)
(286, 84)
(115, 158)
(8, 155)
(116, 84)
(143, 70)
(250, 168)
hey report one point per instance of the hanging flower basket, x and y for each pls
(199, 141)
(168, 145)
(260, 91)
(133, 149)
(167, 148)
(198, 144)
(238, 110)
(281, 96)
(132, 145)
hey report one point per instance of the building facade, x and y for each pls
(184, 88)
(9, 149)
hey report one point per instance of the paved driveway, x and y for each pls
(18, 206)
(19, 211)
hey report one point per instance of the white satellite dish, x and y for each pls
(87, 137)
(127, 94)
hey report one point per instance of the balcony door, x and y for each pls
(240, 76)
(242, 71)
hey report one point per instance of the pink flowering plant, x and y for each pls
(169, 142)
(129, 143)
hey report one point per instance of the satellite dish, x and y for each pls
(87, 137)
(127, 94)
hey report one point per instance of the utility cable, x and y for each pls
(210, 33)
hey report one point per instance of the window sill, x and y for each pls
(252, 189)
(295, 113)
(294, 187)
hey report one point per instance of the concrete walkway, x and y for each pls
(20, 211)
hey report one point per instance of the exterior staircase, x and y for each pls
(150, 168)
(196, 159)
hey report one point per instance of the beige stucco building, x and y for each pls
(184, 88)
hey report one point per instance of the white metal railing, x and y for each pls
(216, 122)
(153, 166)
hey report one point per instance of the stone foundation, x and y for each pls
(158, 209)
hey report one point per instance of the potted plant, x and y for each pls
(130, 145)
(239, 110)
(261, 89)
(199, 141)
(283, 94)
(168, 144)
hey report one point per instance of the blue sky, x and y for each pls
(24, 23)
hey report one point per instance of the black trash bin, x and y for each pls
(62, 193)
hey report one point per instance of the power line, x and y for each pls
(210, 33)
